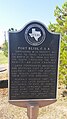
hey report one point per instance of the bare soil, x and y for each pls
(57, 110)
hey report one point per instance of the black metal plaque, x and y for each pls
(33, 63)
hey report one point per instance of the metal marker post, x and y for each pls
(32, 110)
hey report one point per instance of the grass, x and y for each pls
(3, 59)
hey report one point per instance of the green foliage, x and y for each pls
(12, 29)
(61, 27)
(3, 59)
(5, 48)
(5, 45)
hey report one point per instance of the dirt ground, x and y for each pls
(57, 110)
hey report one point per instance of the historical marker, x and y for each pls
(33, 63)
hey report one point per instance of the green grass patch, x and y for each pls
(3, 59)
